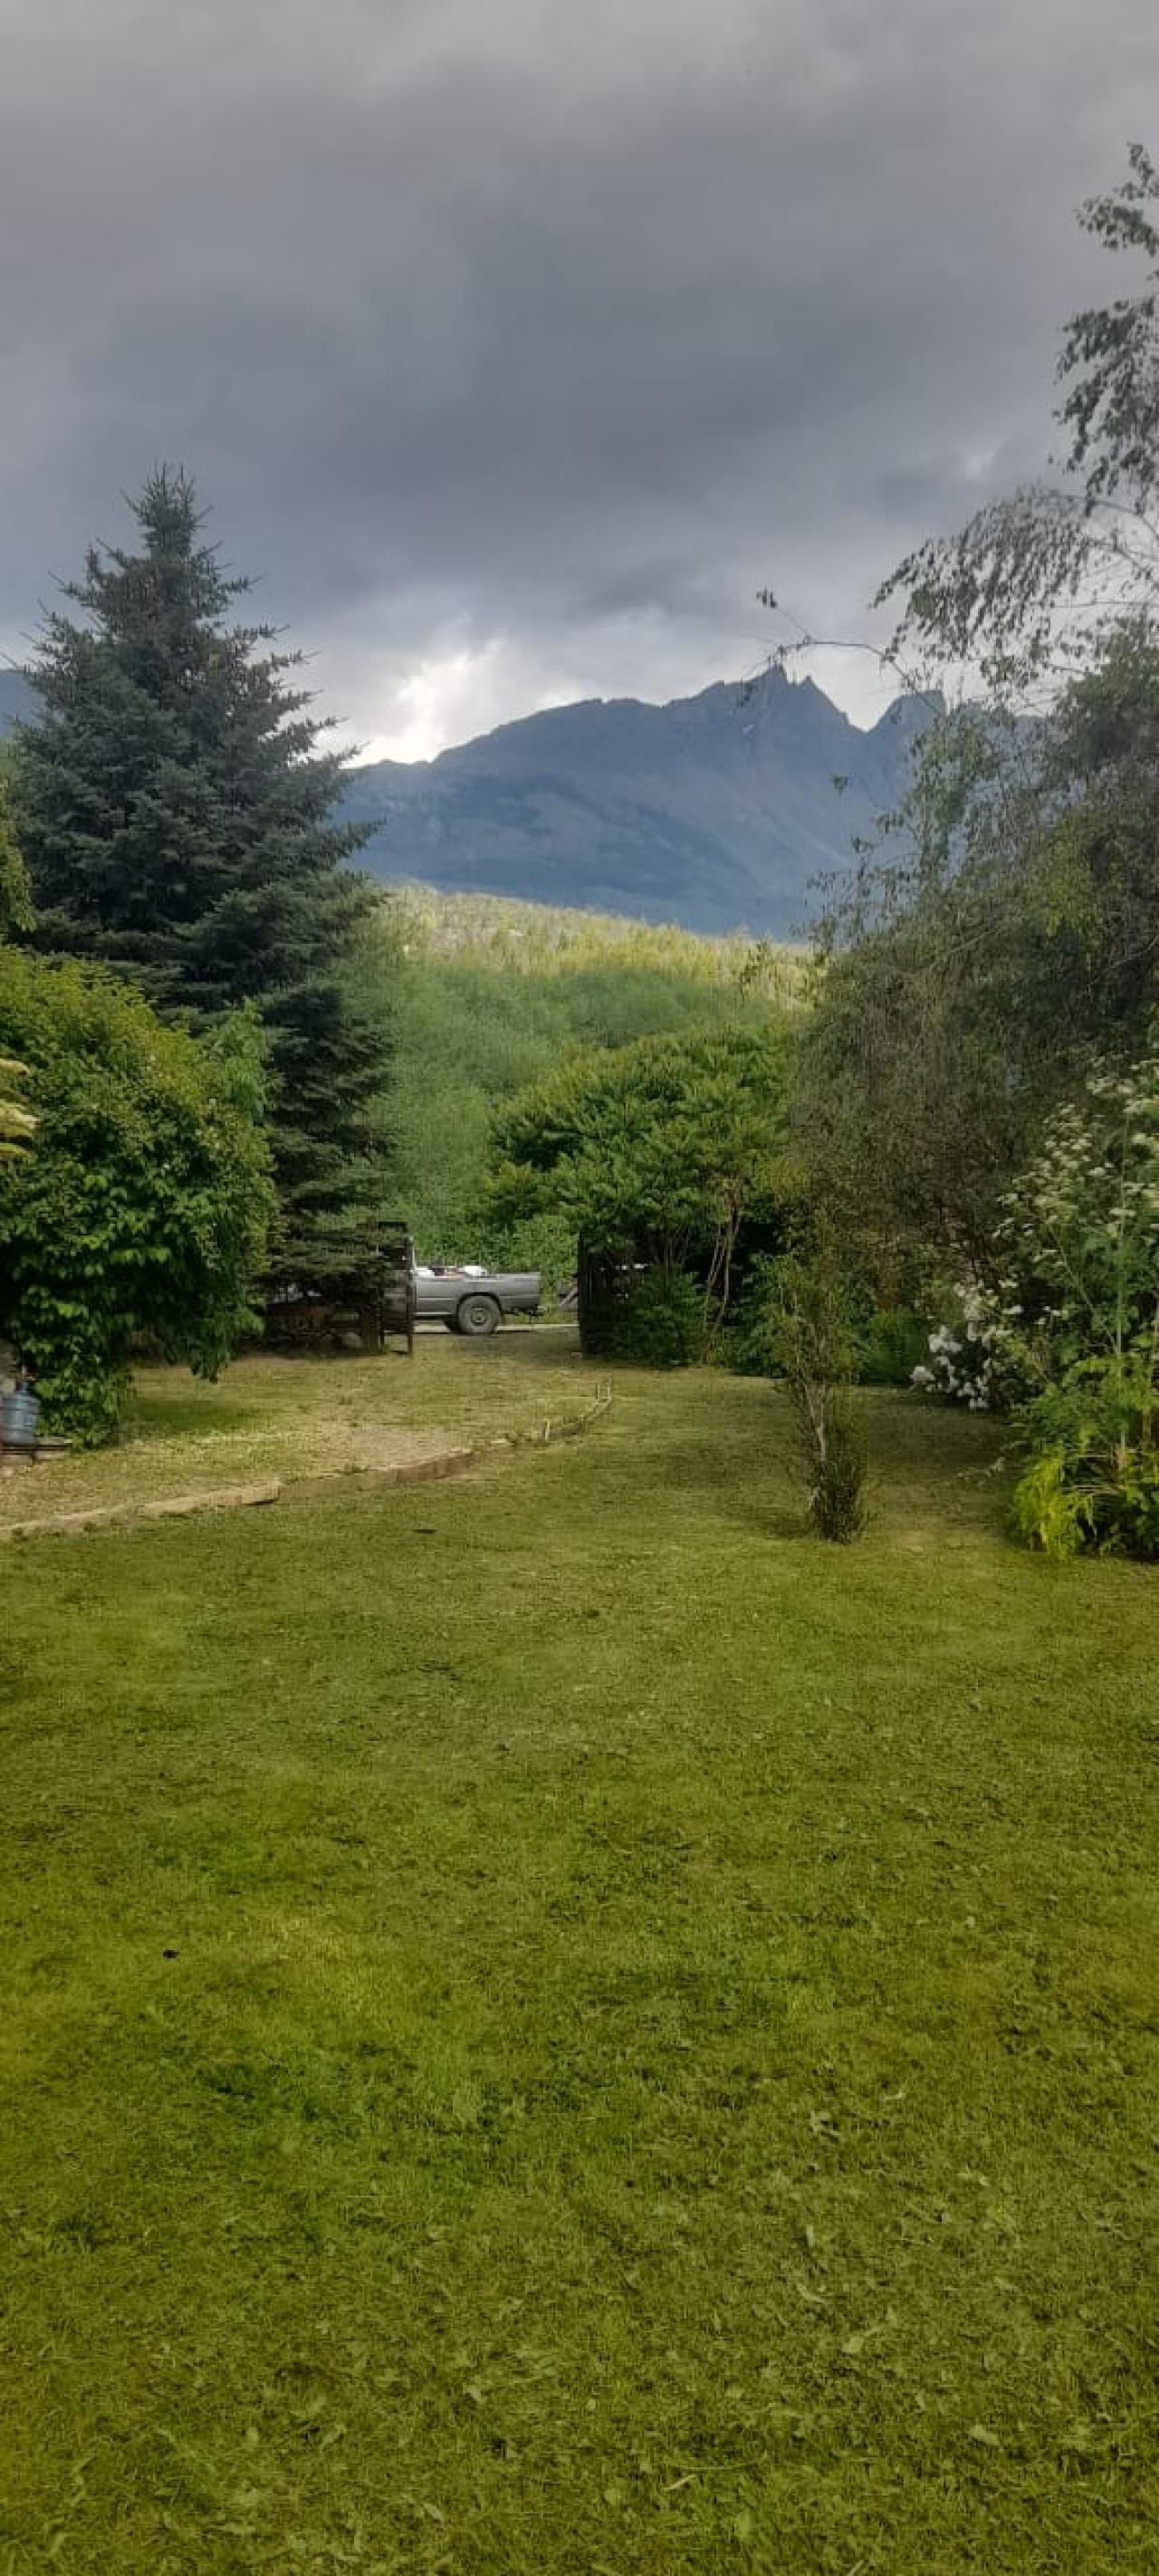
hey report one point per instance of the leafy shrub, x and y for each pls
(886, 1342)
(1093, 1480)
(817, 1351)
(1081, 1311)
(890, 1345)
(17, 1124)
(542, 1243)
(657, 1153)
(749, 1344)
(143, 1203)
(837, 1498)
(661, 1323)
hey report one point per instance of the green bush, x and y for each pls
(1081, 1317)
(817, 1350)
(748, 1346)
(661, 1323)
(887, 1343)
(657, 1153)
(1093, 1480)
(890, 1345)
(543, 1243)
(838, 1471)
(143, 1203)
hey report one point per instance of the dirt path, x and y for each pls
(185, 1473)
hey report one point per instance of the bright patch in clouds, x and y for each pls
(453, 696)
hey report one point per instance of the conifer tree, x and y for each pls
(175, 802)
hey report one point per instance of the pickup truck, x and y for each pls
(474, 1301)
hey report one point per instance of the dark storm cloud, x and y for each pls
(495, 324)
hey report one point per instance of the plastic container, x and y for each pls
(19, 1418)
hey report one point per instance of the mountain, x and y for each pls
(715, 811)
(16, 700)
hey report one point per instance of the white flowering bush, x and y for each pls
(1069, 1332)
(1081, 1236)
(1080, 1292)
(963, 1356)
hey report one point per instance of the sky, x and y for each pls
(516, 345)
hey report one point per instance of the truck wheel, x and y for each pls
(478, 1315)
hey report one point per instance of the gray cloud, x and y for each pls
(514, 345)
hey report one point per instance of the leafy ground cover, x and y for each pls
(270, 1416)
(555, 2024)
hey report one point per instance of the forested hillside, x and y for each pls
(488, 995)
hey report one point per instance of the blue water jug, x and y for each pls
(19, 1418)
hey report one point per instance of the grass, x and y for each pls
(556, 2024)
(273, 1416)
(521, 938)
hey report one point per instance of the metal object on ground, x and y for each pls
(382, 1291)
(474, 1301)
(19, 1419)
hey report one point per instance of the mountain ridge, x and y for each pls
(716, 811)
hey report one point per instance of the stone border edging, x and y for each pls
(309, 1489)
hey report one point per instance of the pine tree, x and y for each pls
(175, 806)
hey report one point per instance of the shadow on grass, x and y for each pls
(150, 1417)
(933, 1475)
(525, 1346)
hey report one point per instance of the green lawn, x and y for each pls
(553, 2023)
